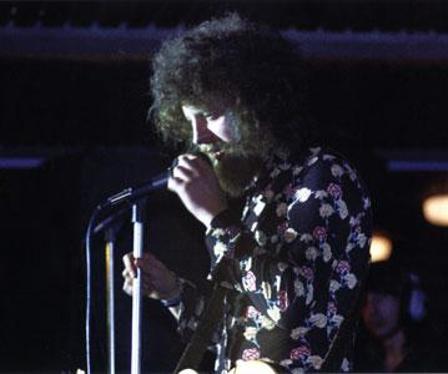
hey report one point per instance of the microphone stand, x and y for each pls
(110, 296)
(111, 226)
(138, 234)
(136, 196)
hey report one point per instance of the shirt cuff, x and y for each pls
(174, 301)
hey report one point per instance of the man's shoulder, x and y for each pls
(324, 158)
(324, 170)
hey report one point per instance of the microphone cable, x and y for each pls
(127, 195)
(88, 253)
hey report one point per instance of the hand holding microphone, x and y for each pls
(196, 184)
(192, 178)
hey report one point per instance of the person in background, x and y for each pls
(287, 221)
(395, 337)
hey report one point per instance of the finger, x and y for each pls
(200, 161)
(127, 274)
(192, 162)
(127, 286)
(184, 173)
(128, 261)
(175, 184)
(129, 266)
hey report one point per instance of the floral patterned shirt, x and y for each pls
(292, 262)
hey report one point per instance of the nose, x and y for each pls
(201, 133)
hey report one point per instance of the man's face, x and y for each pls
(381, 313)
(211, 129)
(216, 134)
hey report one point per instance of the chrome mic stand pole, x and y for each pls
(138, 223)
(110, 297)
(111, 227)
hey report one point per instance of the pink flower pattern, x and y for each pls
(283, 300)
(250, 281)
(252, 312)
(250, 354)
(320, 233)
(300, 353)
(307, 273)
(343, 267)
(335, 190)
(280, 284)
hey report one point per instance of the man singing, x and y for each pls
(292, 257)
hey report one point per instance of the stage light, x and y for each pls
(435, 209)
(381, 247)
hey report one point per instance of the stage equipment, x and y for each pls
(111, 224)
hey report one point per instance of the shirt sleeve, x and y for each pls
(302, 276)
(189, 309)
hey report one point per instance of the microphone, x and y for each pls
(129, 194)
(156, 183)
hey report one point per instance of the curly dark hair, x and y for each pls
(236, 60)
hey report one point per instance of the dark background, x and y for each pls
(74, 95)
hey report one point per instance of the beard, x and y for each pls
(237, 163)
(235, 173)
(234, 167)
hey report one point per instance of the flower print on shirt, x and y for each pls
(289, 235)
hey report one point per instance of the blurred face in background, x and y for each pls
(381, 314)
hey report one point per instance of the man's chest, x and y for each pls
(265, 214)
